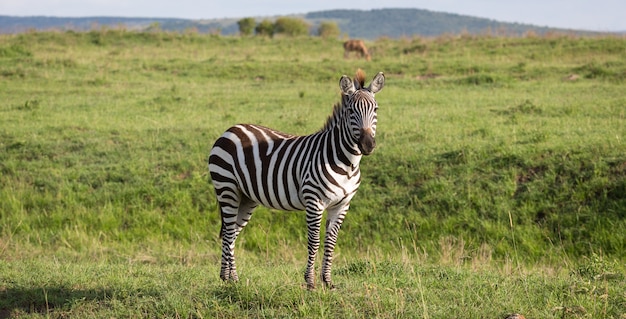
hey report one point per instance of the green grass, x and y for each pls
(498, 185)
(369, 287)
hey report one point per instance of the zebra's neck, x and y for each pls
(341, 148)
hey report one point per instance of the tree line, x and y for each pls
(286, 26)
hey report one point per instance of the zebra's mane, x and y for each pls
(333, 120)
(359, 78)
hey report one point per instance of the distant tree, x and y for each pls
(246, 26)
(266, 27)
(291, 26)
(328, 29)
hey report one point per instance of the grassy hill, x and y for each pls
(392, 23)
(12, 24)
(498, 184)
(395, 23)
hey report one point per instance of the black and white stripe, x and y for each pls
(252, 165)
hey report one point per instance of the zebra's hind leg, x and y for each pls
(234, 219)
(228, 234)
(334, 219)
(314, 221)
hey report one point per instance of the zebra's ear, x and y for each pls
(346, 85)
(377, 83)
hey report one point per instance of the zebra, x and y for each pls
(251, 165)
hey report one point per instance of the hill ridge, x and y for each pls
(390, 22)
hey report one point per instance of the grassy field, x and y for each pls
(498, 185)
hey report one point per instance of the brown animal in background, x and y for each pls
(357, 46)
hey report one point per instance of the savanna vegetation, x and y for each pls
(498, 184)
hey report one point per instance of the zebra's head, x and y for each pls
(361, 107)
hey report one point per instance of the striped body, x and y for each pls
(278, 170)
(252, 165)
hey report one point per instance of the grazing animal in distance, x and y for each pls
(357, 46)
(252, 165)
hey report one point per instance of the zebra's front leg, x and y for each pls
(313, 221)
(333, 224)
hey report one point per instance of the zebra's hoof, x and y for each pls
(229, 278)
(330, 286)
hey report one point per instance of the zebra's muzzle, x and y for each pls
(367, 143)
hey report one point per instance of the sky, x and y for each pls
(595, 15)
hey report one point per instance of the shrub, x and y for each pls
(246, 26)
(266, 27)
(328, 29)
(291, 26)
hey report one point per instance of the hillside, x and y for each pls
(406, 22)
(12, 24)
(392, 23)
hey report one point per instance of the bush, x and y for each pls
(266, 27)
(328, 29)
(291, 26)
(246, 26)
